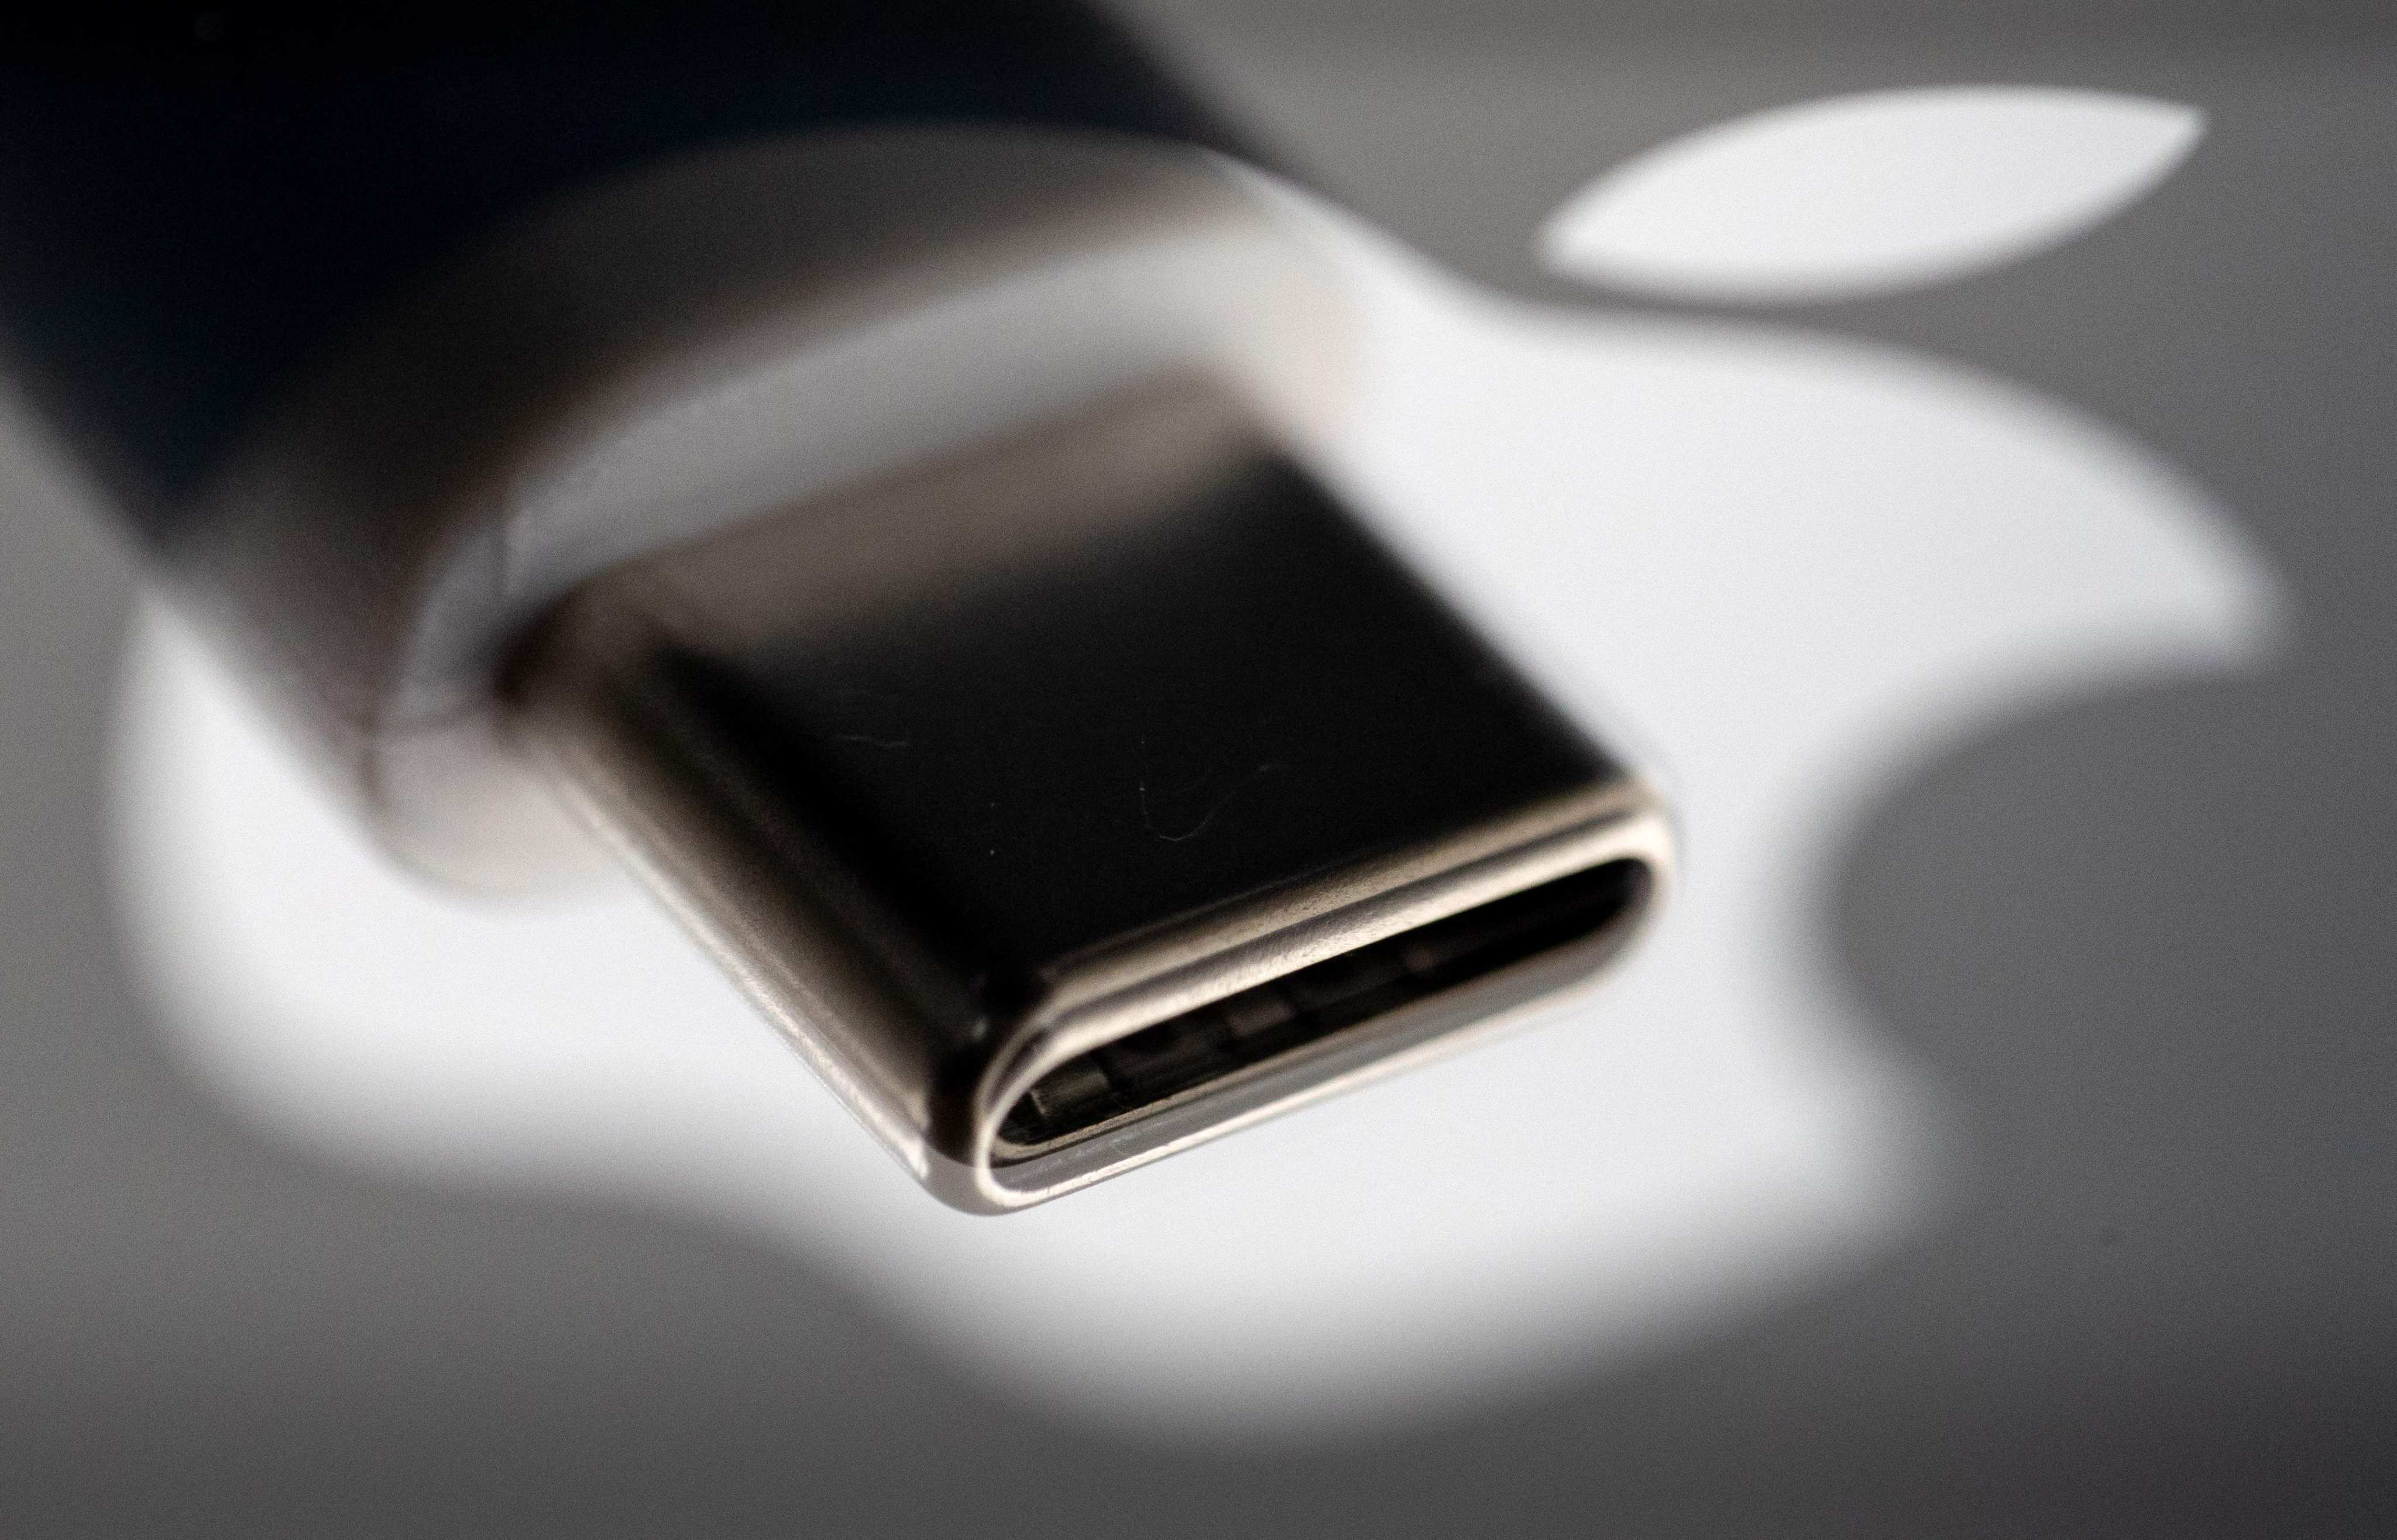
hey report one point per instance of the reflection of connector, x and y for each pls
(1088, 794)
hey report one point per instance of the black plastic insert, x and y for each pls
(1198, 1048)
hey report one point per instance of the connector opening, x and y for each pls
(1233, 1038)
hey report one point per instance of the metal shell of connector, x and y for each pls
(1080, 796)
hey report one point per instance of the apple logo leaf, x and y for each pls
(1867, 194)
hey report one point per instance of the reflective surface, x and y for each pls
(1004, 760)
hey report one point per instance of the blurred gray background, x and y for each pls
(2143, 940)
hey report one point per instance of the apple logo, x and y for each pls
(1787, 566)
